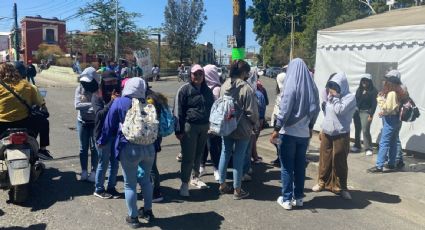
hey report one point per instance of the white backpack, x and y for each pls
(140, 125)
(223, 116)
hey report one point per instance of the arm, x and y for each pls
(179, 111)
(388, 104)
(374, 103)
(77, 101)
(110, 125)
(100, 109)
(285, 108)
(344, 104)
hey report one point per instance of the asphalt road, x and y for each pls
(60, 201)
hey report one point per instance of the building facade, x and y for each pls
(37, 31)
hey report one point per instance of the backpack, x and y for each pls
(140, 124)
(166, 122)
(408, 111)
(223, 116)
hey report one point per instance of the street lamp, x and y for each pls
(159, 48)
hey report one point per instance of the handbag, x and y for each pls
(35, 111)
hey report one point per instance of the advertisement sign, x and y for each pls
(390, 2)
(144, 61)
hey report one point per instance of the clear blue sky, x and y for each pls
(218, 25)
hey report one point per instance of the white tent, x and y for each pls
(376, 44)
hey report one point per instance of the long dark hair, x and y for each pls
(238, 67)
(389, 87)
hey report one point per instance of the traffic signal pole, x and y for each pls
(239, 23)
(16, 31)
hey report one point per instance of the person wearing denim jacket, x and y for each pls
(339, 107)
(129, 154)
(299, 108)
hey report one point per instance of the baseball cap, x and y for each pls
(196, 68)
(88, 74)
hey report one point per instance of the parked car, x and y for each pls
(272, 72)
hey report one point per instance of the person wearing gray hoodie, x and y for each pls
(339, 108)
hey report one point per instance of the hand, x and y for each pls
(380, 114)
(274, 135)
(369, 118)
(179, 136)
(114, 95)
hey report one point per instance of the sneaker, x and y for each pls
(297, 202)
(285, 204)
(369, 152)
(133, 222)
(146, 214)
(317, 188)
(242, 194)
(225, 190)
(202, 171)
(157, 197)
(102, 195)
(44, 154)
(354, 149)
(246, 178)
(179, 157)
(345, 195)
(390, 167)
(184, 190)
(399, 165)
(92, 177)
(198, 183)
(375, 170)
(84, 176)
(276, 163)
(114, 193)
(216, 175)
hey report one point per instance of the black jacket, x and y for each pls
(100, 111)
(31, 71)
(192, 106)
(366, 99)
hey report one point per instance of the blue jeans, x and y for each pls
(238, 148)
(131, 156)
(388, 143)
(107, 161)
(292, 159)
(247, 161)
(399, 155)
(85, 134)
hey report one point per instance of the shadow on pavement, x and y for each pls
(1, 212)
(196, 195)
(55, 186)
(361, 199)
(31, 227)
(208, 220)
(257, 188)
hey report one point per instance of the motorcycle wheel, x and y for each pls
(179, 78)
(19, 193)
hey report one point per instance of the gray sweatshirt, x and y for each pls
(82, 103)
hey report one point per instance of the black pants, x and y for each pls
(214, 148)
(31, 79)
(42, 127)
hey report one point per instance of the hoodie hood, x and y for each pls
(135, 88)
(211, 76)
(341, 80)
(252, 80)
(280, 80)
(232, 84)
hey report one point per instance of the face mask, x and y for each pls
(90, 86)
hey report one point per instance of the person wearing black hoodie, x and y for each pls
(366, 106)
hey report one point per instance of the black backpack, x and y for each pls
(408, 110)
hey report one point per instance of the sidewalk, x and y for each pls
(408, 183)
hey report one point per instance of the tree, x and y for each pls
(184, 20)
(100, 15)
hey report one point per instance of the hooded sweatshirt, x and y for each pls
(134, 88)
(213, 80)
(246, 106)
(299, 105)
(279, 80)
(366, 98)
(339, 110)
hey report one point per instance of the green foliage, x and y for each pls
(184, 20)
(100, 15)
(46, 51)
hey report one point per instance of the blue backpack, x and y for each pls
(166, 122)
(223, 116)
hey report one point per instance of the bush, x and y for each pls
(46, 52)
(64, 61)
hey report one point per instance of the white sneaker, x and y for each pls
(354, 149)
(345, 195)
(202, 171)
(285, 204)
(369, 152)
(198, 183)
(92, 177)
(84, 175)
(297, 202)
(184, 190)
(216, 175)
(246, 177)
(317, 188)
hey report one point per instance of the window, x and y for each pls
(50, 36)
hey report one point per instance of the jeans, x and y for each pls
(107, 161)
(292, 159)
(399, 155)
(31, 79)
(85, 134)
(238, 147)
(362, 125)
(247, 161)
(131, 156)
(388, 143)
(214, 148)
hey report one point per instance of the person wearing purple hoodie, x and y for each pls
(130, 155)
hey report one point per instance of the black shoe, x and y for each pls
(375, 170)
(276, 163)
(390, 167)
(44, 154)
(147, 215)
(114, 193)
(399, 165)
(133, 222)
(102, 195)
(157, 197)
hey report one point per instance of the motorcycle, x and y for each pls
(19, 167)
(183, 76)
(44, 65)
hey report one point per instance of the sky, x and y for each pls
(216, 29)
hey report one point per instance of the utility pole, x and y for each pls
(16, 31)
(239, 23)
(291, 53)
(116, 31)
(159, 48)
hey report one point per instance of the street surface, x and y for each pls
(60, 201)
